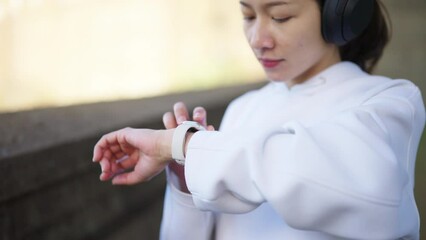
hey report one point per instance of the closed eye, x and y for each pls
(281, 20)
(248, 18)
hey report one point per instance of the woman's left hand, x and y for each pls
(145, 152)
(180, 114)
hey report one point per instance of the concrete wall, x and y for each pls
(49, 187)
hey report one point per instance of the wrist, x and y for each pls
(164, 142)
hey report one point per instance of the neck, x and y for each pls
(324, 63)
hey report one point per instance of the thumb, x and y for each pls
(129, 178)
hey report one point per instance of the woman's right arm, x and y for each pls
(353, 169)
(180, 216)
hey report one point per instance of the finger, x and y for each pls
(181, 112)
(127, 178)
(119, 155)
(109, 149)
(105, 169)
(105, 165)
(104, 176)
(122, 159)
(113, 154)
(98, 150)
(117, 142)
(97, 153)
(169, 120)
(121, 164)
(126, 162)
(116, 151)
(210, 128)
(200, 115)
(111, 168)
(103, 145)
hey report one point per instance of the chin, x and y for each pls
(276, 78)
(283, 74)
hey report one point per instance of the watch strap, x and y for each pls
(179, 139)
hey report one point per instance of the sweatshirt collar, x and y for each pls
(335, 74)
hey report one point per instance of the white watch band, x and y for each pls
(179, 137)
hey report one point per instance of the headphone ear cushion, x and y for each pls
(331, 22)
(344, 20)
(356, 17)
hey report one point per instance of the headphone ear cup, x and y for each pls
(344, 20)
(331, 22)
(356, 17)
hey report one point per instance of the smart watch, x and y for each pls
(179, 137)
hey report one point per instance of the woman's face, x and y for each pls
(285, 36)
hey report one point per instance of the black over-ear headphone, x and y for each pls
(344, 20)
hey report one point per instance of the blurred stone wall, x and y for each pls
(50, 188)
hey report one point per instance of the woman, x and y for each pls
(324, 151)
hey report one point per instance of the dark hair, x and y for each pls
(367, 49)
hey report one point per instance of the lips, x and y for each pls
(270, 63)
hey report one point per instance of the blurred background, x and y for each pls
(62, 52)
(58, 53)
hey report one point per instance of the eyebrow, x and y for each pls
(267, 5)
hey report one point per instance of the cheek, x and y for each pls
(309, 44)
(309, 36)
(301, 43)
(300, 46)
(297, 39)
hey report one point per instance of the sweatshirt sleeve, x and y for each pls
(180, 215)
(348, 176)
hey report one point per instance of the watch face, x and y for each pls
(195, 125)
(193, 130)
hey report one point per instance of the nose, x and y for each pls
(260, 37)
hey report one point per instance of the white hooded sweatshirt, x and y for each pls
(331, 158)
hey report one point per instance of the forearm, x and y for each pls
(234, 173)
